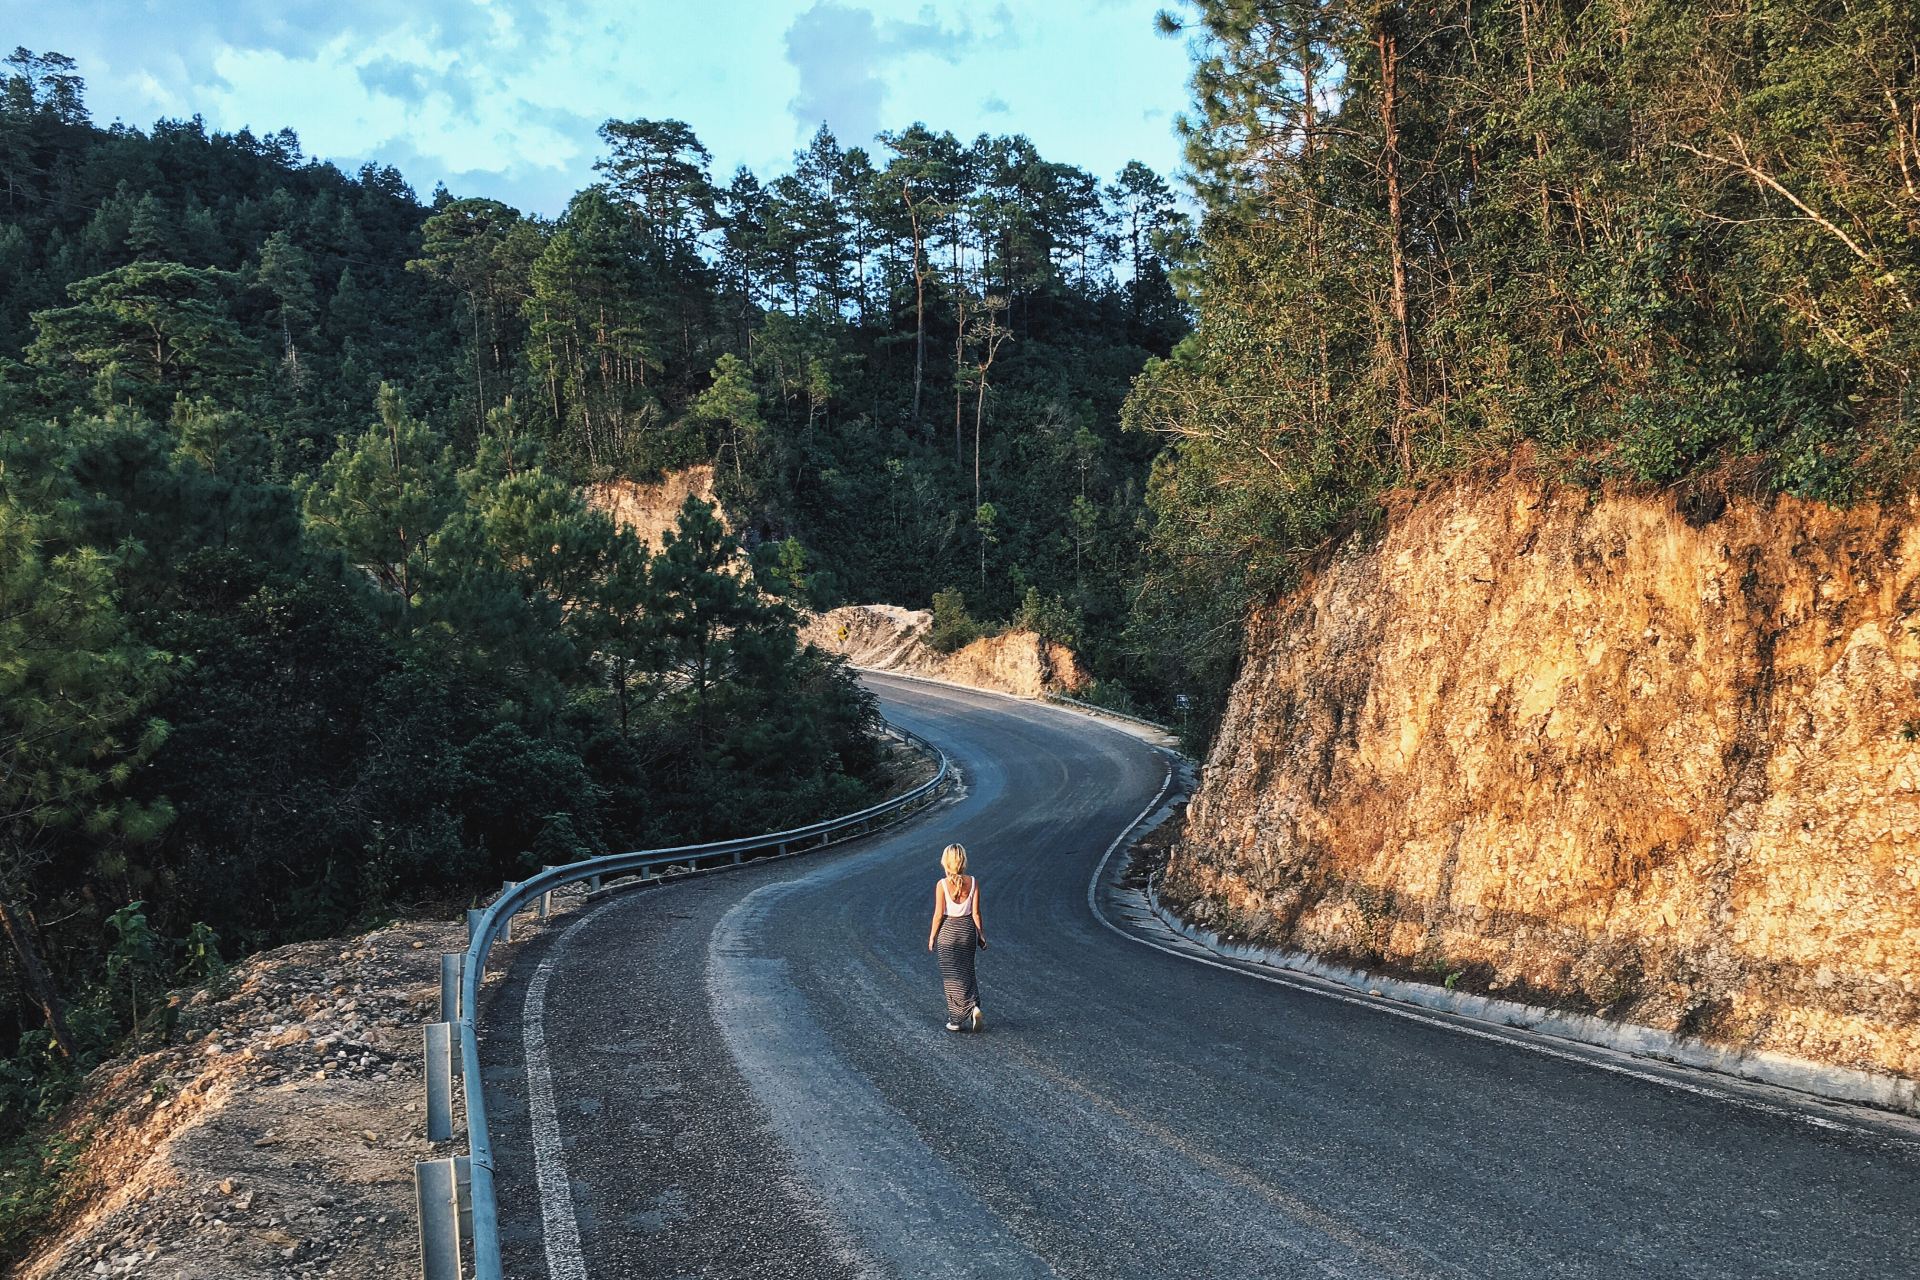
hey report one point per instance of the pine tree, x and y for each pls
(730, 408)
(704, 605)
(74, 688)
(286, 273)
(380, 499)
(472, 246)
(150, 232)
(148, 331)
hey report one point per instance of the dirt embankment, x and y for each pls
(277, 1136)
(888, 638)
(1654, 759)
(651, 508)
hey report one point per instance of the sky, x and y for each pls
(502, 98)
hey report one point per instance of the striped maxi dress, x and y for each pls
(955, 946)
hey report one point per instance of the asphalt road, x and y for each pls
(746, 1075)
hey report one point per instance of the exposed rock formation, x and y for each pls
(651, 508)
(1652, 758)
(890, 638)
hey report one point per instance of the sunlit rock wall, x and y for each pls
(889, 638)
(1657, 759)
(650, 508)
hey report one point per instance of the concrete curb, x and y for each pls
(1836, 1084)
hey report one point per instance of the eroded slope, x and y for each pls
(1583, 749)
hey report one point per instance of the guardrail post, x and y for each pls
(463, 1186)
(593, 884)
(739, 855)
(449, 986)
(436, 1195)
(546, 900)
(473, 924)
(439, 1081)
(482, 1211)
(506, 929)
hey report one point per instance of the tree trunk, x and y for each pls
(959, 340)
(979, 412)
(39, 987)
(959, 379)
(1388, 44)
(919, 307)
(479, 377)
(1321, 400)
(1539, 138)
(623, 691)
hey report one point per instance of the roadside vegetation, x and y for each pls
(1652, 244)
(303, 619)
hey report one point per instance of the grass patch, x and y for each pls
(36, 1179)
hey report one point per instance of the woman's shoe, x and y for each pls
(979, 1019)
(952, 1025)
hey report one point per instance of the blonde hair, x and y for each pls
(953, 859)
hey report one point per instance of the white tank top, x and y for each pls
(964, 905)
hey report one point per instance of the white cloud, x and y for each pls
(502, 96)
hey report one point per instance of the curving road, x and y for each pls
(746, 1075)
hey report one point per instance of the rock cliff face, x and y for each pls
(1659, 760)
(889, 638)
(651, 508)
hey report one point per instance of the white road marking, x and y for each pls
(558, 1224)
(1518, 1040)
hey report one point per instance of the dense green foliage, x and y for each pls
(1647, 240)
(302, 614)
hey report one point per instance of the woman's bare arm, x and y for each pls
(977, 926)
(939, 909)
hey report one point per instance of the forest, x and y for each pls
(1638, 243)
(303, 617)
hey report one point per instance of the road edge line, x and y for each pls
(1459, 1023)
(559, 1222)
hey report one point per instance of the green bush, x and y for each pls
(1049, 617)
(953, 627)
(33, 1180)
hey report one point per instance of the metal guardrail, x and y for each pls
(454, 1197)
(1094, 708)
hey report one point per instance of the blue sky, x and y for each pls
(502, 97)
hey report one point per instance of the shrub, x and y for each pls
(953, 627)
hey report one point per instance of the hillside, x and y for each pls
(889, 638)
(275, 1136)
(649, 508)
(1650, 757)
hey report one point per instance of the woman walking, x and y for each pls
(957, 934)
